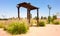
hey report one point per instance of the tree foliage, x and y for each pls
(42, 17)
(54, 17)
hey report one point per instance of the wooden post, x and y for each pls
(28, 15)
(18, 13)
(37, 17)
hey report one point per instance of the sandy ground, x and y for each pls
(48, 30)
(4, 33)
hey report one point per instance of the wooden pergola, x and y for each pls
(29, 8)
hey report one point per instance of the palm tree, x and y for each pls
(49, 7)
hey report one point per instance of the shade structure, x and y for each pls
(29, 8)
(27, 5)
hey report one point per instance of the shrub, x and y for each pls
(35, 17)
(41, 23)
(42, 17)
(54, 17)
(1, 25)
(45, 17)
(17, 28)
(4, 19)
(49, 19)
(56, 22)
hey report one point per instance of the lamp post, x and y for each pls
(49, 7)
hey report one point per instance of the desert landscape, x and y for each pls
(29, 18)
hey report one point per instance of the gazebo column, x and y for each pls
(28, 15)
(37, 17)
(18, 14)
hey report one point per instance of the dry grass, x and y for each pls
(6, 22)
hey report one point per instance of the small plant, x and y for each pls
(54, 17)
(56, 22)
(17, 28)
(41, 23)
(49, 19)
(42, 17)
(45, 17)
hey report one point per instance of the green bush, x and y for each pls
(41, 23)
(17, 28)
(54, 17)
(56, 22)
(49, 19)
(42, 17)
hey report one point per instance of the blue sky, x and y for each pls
(8, 7)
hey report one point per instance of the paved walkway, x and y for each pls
(49, 30)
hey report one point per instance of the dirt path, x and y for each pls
(49, 30)
(3, 33)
